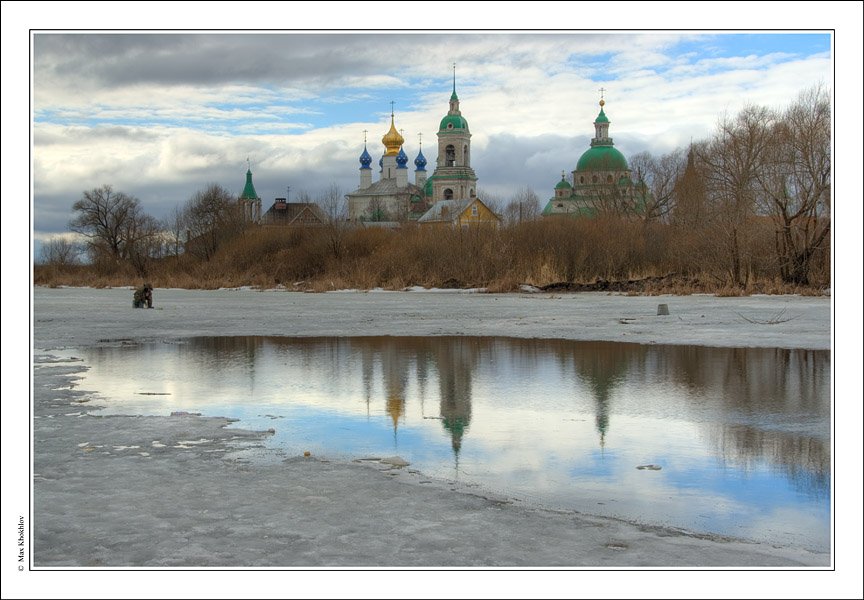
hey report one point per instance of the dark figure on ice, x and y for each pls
(143, 297)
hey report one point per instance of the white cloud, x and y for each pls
(169, 136)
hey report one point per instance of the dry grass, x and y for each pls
(636, 257)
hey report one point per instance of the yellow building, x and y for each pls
(460, 213)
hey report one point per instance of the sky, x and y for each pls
(160, 115)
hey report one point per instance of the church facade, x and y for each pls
(601, 182)
(392, 197)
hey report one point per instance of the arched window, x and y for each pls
(449, 156)
(608, 179)
(448, 193)
(473, 194)
(581, 180)
(465, 155)
(593, 179)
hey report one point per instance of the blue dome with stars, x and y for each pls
(401, 159)
(420, 162)
(365, 159)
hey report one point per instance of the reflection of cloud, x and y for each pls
(719, 421)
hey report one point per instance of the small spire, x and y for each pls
(602, 101)
(420, 136)
(562, 175)
(391, 109)
(454, 96)
(364, 137)
(248, 164)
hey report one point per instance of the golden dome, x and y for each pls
(392, 140)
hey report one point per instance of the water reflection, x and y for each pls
(741, 435)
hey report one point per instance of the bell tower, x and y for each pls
(454, 179)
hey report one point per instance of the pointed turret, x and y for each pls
(249, 192)
(249, 201)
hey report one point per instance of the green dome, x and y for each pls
(601, 118)
(457, 122)
(563, 185)
(602, 158)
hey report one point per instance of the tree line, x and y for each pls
(751, 203)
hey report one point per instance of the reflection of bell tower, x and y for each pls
(367, 368)
(456, 360)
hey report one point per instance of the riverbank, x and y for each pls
(173, 504)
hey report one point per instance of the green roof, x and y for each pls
(602, 158)
(601, 118)
(249, 191)
(563, 185)
(457, 122)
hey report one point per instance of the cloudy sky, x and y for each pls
(160, 115)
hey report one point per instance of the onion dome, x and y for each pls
(602, 158)
(392, 140)
(450, 122)
(420, 161)
(563, 184)
(365, 159)
(401, 159)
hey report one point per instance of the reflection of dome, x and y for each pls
(365, 159)
(602, 158)
(454, 122)
(420, 161)
(392, 140)
(401, 159)
(457, 427)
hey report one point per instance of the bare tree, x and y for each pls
(60, 252)
(106, 219)
(655, 183)
(732, 159)
(212, 217)
(335, 208)
(375, 211)
(524, 206)
(176, 230)
(795, 181)
(145, 242)
(492, 201)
